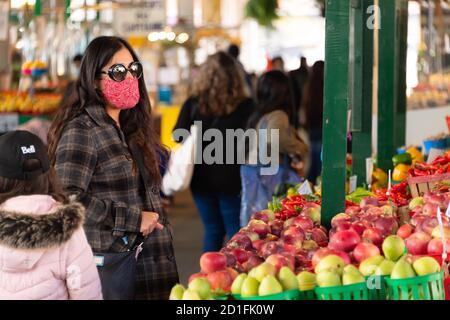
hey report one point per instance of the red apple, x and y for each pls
(387, 225)
(417, 243)
(304, 223)
(260, 227)
(405, 231)
(241, 241)
(318, 236)
(373, 235)
(369, 201)
(270, 248)
(344, 240)
(341, 219)
(252, 235)
(213, 261)
(234, 274)
(359, 227)
(257, 244)
(231, 259)
(427, 225)
(417, 219)
(436, 247)
(353, 210)
(279, 261)
(429, 209)
(343, 255)
(293, 232)
(251, 263)
(276, 227)
(365, 250)
(197, 275)
(241, 255)
(220, 281)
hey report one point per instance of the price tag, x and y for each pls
(9, 122)
(353, 183)
(369, 171)
(389, 183)
(441, 228)
(434, 153)
(305, 188)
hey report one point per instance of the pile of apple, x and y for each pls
(422, 234)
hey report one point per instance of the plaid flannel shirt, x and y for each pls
(94, 163)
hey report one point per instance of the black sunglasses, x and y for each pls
(118, 72)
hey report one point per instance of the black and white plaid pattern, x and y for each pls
(94, 163)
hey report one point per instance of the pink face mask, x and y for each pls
(122, 95)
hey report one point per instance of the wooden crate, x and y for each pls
(420, 185)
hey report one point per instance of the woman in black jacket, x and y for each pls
(218, 100)
(107, 155)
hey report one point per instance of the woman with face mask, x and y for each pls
(107, 155)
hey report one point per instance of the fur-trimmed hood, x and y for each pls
(34, 229)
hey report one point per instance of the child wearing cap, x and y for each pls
(44, 253)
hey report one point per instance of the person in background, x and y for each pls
(299, 78)
(274, 111)
(278, 64)
(313, 105)
(218, 100)
(107, 155)
(234, 51)
(44, 253)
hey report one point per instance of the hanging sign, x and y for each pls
(140, 21)
(4, 15)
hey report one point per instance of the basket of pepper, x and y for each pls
(423, 176)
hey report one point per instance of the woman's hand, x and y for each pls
(299, 167)
(150, 223)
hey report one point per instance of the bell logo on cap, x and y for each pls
(26, 150)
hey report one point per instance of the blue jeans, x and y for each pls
(220, 215)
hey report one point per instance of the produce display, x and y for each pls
(438, 166)
(23, 104)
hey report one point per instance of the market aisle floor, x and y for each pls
(188, 235)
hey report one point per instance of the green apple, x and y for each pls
(287, 279)
(351, 269)
(201, 286)
(264, 269)
(402, 270)
(237, 283)
(177, 292)
(417, 201)
(352, 277)
(249, 287)
(393, 247)
(191, 295)
(385, 268)
(269, 285)
(370, 265)
(426, 265)
(332, 263)
(388, 210)
(328, 278)
(306, 281)
(436, 233)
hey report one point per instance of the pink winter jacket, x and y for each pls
(44, 253)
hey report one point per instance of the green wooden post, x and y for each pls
(361, 86)
(387, 90)
(402, 37)
(38, 8)
(67, 10)
(335, 109)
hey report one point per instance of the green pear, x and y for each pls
(287, 279)
(426, 265)
(269, 285)
(402, 269)
(249, 287)
(393, 247)
(237, 283)
(330, 262)
(177, 292)
(306, 281)
(385, 268)
(191, 295)
(352, 277)
(328, 278)
(370, 265)
(202, 287)
(264, 269)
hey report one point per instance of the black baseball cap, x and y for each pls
(15, 148)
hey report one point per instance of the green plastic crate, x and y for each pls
(287, 295)
(377, 287)
(429, 287)
(356, 291)
(307, 295)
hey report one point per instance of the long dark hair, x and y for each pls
(136, 123)
(219, 85)
(46, 183)
(273, 93)
(313, 99)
